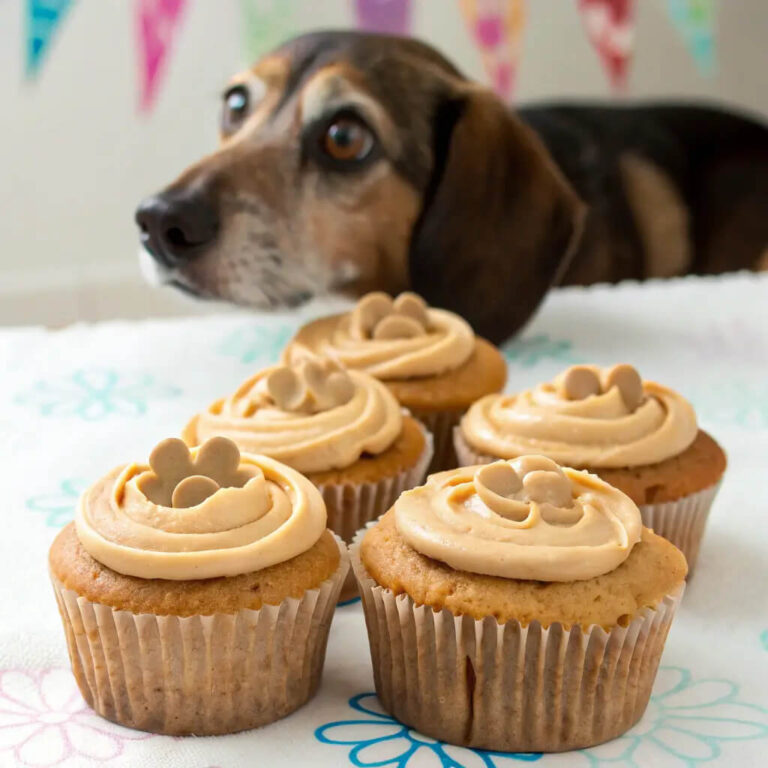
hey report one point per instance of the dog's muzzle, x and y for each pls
(177, 225)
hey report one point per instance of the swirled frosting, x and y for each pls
(312, 416)
(388, 339)
(521, 519)
(587, 417)
(199, 514)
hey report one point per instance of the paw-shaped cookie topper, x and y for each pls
(310, 386)
(582, 381)
(508, 488)
(178, 480)
(378, 316)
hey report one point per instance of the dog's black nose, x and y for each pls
(177, 224)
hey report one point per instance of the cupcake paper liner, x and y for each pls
(508, 687)
(351, 506)
(201, 675)
(441, 424)
(681, 521)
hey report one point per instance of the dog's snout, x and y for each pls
(177, 224)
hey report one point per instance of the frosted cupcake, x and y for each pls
(429, 358)
(343, 430)
(516, 606)
(177, 581)
(639, 436)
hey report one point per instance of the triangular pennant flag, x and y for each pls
(390, 16)
(156, 23)
(43, 18)
(695, 21)
(266, 23)
(497, 29)
(609, 26)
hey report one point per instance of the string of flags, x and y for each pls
(495, 26)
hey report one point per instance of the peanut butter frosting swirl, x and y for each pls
(199, 514)
(388, 339)
(587, 417)
(521, 519)
(313, 416)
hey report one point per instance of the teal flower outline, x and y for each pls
(743, 403)
(94, 394)
(383, 749)
(59, 507)
(530, 351)
(256, 343)
(686, 721)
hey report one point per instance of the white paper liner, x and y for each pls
(465, 454)
(682, 521)
(201, 675)
(352, 506)
(441, 424)
(508, 687)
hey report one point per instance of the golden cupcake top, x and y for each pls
(312, 415)
(388, 338)
(587, 417)
(523, 519)
(198, 514)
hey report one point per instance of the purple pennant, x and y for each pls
(389, 16)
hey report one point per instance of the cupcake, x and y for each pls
(197, 591)
(342, 429)
(429, 359)
(637, 435)
(516, 606)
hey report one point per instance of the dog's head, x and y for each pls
(351, 162)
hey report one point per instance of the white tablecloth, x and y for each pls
(78, 401)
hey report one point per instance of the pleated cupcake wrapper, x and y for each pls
(200, 675)
(509, 687)
(441, 424)
(681, 521)
(351, 506)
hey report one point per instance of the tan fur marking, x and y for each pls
(661, 217)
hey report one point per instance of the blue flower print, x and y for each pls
(260, 344)
(379, 740)
(95, 394)
(687, 722)
(59, 507)
(532, 350)
(733, 403)
(764, 639)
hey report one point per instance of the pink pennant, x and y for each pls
(609, 25)
(497, 27)
(156, 24)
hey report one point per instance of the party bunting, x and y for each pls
(43, 18)
(266, 23)
(695, 21)
(389, 16)
(497, 28)
(156, 24)
(609, 25)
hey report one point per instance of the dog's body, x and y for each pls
(352, 162)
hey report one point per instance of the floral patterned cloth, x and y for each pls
(78, 401)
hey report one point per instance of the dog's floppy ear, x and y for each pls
(499, 222)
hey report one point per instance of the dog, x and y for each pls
(352, 162)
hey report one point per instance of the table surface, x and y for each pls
(78, 401)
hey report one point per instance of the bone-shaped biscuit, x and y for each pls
(377, 316)
(309, 387)
(176, 479)
(582, 381)
(508, 492)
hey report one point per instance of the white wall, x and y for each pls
(75, 157)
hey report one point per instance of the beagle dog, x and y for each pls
(352, 162)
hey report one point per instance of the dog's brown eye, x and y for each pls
(347, 139)
(235, 104)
